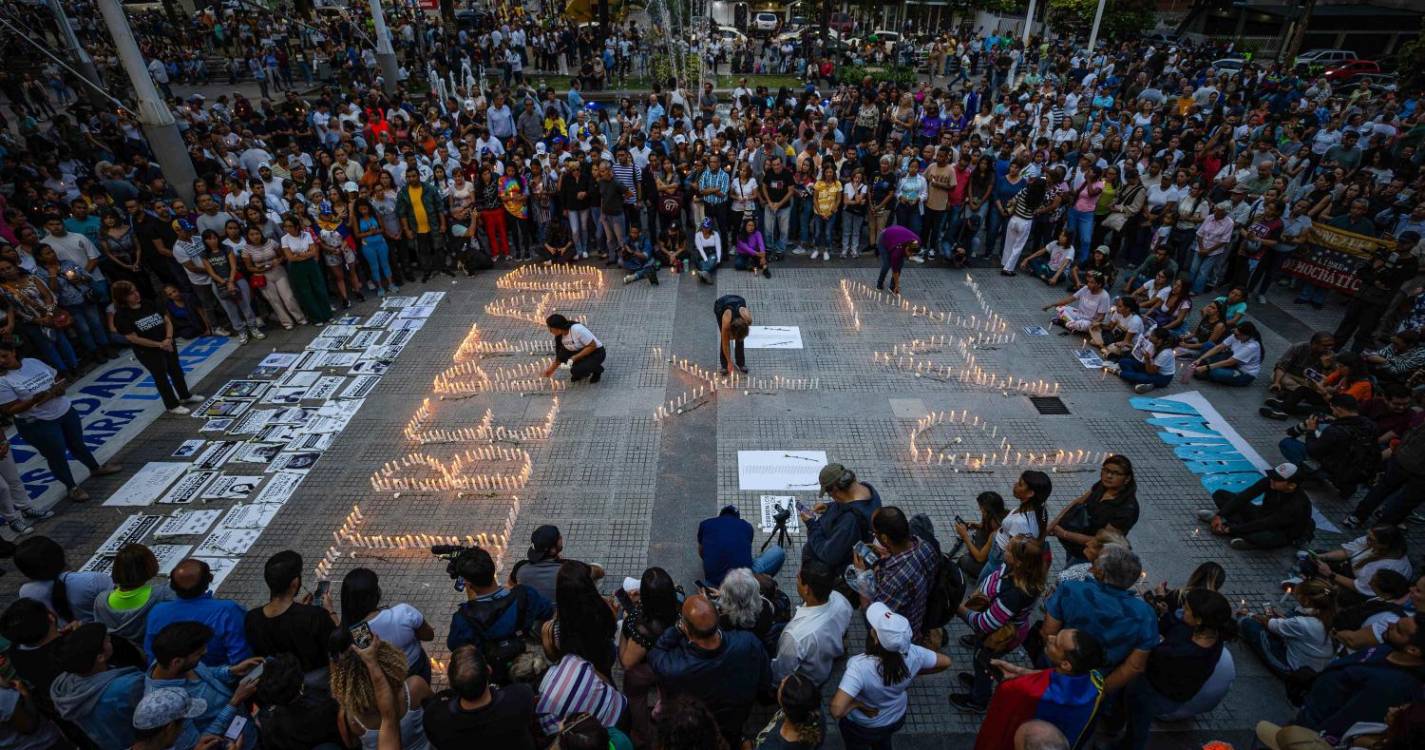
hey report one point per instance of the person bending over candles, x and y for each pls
(575, 344)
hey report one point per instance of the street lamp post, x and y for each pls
(81, 57)
(1097, 19)
(385, 55)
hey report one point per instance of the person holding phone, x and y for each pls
(291, 622)
(362, 671)
(1068, 693)
(32, 393)
(178, 651)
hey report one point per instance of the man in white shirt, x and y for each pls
(77, 249)
(812, 641)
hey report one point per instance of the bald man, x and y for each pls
(194, 602)
(1038, 734)
(726, 670)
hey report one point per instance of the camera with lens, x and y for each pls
(783, 514)
(450, 553)
(1299, 429)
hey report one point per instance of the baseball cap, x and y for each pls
(163, 706)
(680, 138)
(1284, 471)
(892, 630)
(325, 209)
(350, 187)
(830, 474)
(263, 165)
(1101, 249)
(542, 542)
(184, 225)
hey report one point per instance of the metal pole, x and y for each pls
(385, 55)
(1024, 53)
(82, 60)
(1097, 19)
(153, 114)
(1028, 22)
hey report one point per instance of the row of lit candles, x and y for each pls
(992, 323)
(454, 475)
(970, 374)
(557, 277)
(418, 430)
(1003, 454)
(465, 378)
(980, 296)
(474, 346)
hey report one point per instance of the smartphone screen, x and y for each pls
(361, 634)
(234, 730)
(254, 674)
(801, 506)
(322, 588)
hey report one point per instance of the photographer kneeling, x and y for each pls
(500, 622)
(1341, 450)
(834, 528)
(725, 543)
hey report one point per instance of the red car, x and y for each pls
(1349, 70)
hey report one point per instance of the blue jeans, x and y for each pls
(1203, 269)
(1268, 647)
(613, 225)
(802, 211)
(579, 228)
(89, 329)
(851, 225)
(1398, 489)
(1132, 371)
(771, 561)
(950, 230)
(1294, 451)
(640, 269)
(775, 224)
(53, 346)
(821, 231)
(1226, 375)
(856, 737)
(378, 259)
(1144, 703)
(909, 217)
(1080, 229)
(51, 437)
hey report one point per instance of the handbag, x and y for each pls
(257, 280)
(62, 318)
(1077, 520)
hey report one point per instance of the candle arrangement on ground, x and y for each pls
(950, 429)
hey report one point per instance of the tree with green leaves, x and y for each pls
(1410, 61)
(1121, 18)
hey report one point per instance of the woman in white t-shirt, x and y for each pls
(32, 393)
(400, 625)
(1152, 362)
(1288, 643)
(577, 345)
(1029, 519)
(304, 271)
(1120, 331)
(1236, 361)
(1382, 548)
(870, 701)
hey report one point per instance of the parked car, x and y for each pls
(764, 22)
(1351, 69)
(1231, 66)
(1316, 60)
(728, 33)
(1162, 38)
(842, 22)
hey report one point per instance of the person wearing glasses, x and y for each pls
(1111, 503)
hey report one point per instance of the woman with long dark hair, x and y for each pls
(649, 611)
(870, 701)
(583, 623)
(798, 724)
(998, 615)
(575, 344)
(1190, 671)
(1030, 519)
(1111, 503)
(1021, 220)
(400, 625)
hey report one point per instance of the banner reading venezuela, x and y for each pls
(1330, 256)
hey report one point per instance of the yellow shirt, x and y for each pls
(827, 194)
(418, 207)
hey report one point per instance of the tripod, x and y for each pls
(779, 531)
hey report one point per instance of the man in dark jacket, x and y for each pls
(422, 216)
(1282, 517)
(833, 529)
(1364, 685)
(1401, 487)
(1343, 451)
(726, 670)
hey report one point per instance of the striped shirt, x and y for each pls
(572, 686)
(627, 176)
(903, 581)
(1008, 603)
(714, 179)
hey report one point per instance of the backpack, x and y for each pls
(499, 653)
(947, 590)
(1359, 463)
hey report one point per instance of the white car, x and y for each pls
(728, 33)
(1231, 66)
(765, 22)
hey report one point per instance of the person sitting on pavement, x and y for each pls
(813, 639)
(1236, 361)
(751, 250)
(834, 528)
(1290, 643)
(178, 651)
(474, 706)
(124, 610)
(1068, 693)
(1190, 671)
(291, 623)
(1291, 369)
(1400, 488)
(1363, 686)
(191, 581)
(726, 670)
(799, 723)
(1089, 304)
(164, 715)
(500, 621)
(637, 258)
(1111, 503)
(741, 606)
(1363, 625)
(289, 715)
(1345, 374)
(1352, 567)
(978, 537)
(541, 564)
(1108, 609)
(998, 615)
(67, 593)
(98, 699)
(1150, 364)
(1282, 518)
(725, 543)
(1341, 450)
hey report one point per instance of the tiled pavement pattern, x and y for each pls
(598, 476)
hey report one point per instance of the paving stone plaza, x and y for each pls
(628, 467)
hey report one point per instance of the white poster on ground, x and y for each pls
(280, 488)
(221, 567)
(227, 542)
(147, 484)
(255, 516)
(133, 529)
(773, 337)
(187, 523)
(188, 488)
(779, 470)
(774, 504)
(231, 487)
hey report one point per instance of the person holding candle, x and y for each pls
(577, 345)
(734, 320)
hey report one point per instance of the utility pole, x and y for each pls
(154, 117)
(1097, 19)
(1298, 34)
(385, 55)
(81, 58)
(1024, 42)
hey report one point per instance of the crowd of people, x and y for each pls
(1159, 197)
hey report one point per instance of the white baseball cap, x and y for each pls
(892, 630)
(1283, 471)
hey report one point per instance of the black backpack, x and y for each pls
(947, 590)
(499, 653)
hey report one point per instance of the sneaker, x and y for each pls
(766, 273)
(1143, 388)
(181, 411)
(1274, 403)
(21, 526)
(1271, 413)
(195, 398)
(964, 702)
(1240, 544)
(36, 515)
(221, 331)
(242, 337)
(381, 293)
(395, 288)
(1352, 521)
(1206, 515)
(1417, 517)
(799, 250)
(286, 326)
(917, 259)
(628, 278)
(259, 335)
